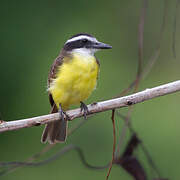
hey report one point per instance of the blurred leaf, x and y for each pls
(129, 162)
(133, 167)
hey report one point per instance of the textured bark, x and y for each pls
(95, 107)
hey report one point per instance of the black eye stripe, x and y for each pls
(77, 44)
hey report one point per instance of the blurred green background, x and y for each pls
(31, 36)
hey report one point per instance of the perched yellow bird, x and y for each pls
(71, 80)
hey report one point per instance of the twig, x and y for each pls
(95, 108)
(146, 69)
(52, 158)
(143, 147)
(174, 30)
(156, 53)
(139, 71)
(43, 151)
(141, 37)
(154, 56)
(150, 160)
(114, 144)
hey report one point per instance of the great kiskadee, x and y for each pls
(71, 80)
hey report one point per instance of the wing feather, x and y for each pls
(52, 73)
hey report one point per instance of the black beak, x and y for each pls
(100, 45)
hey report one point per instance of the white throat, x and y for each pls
(84, 51)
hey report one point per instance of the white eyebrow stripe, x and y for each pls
(81, 37)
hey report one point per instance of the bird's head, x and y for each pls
(84, 43)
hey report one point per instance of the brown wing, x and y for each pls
(54, 131)
(97, 61)
(52, 74)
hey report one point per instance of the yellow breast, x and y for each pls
(75, 80)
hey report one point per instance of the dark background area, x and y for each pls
(31, 36)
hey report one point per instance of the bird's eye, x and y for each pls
(84, 41)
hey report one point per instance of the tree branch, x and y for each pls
(95, 107)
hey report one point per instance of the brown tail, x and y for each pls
(56, 131)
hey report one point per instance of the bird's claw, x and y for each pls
(85, 110)
(62, 114)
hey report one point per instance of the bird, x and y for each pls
(71, 80)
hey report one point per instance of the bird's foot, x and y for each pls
(85, 110)
(62, 114)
